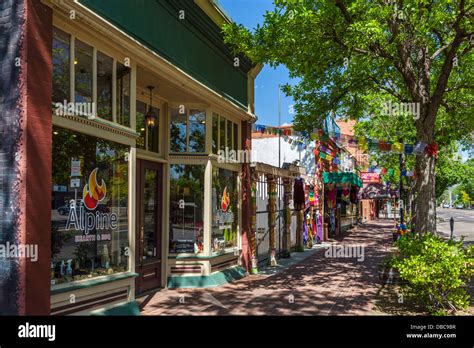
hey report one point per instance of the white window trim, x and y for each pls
(188, 108)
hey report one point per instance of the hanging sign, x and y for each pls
(75, 167)
(370, 177)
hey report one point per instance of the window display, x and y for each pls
(89, 208)
(224, 210)
(186, 208)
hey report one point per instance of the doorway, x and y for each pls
(149, 226)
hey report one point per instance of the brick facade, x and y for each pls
(11, 21)
(25, 153)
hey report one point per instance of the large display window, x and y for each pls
(225, 201)
(186, 208)
(89, 208)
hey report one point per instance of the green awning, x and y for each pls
(342, 178)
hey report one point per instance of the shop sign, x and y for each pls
(370, 177)
(87, 217)
(75, 183)
(223, 217)
(75, 168)
(59, 188)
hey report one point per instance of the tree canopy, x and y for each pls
(352, 58)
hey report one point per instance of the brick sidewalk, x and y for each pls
(319, 285)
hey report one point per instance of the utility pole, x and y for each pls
(279, 125)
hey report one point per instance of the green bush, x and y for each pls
(437, 272)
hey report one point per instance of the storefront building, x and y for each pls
(137, 106)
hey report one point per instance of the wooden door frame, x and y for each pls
(142, 165)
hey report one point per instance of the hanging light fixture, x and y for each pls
(150, 115)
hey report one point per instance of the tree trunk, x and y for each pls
(425, 171)
(426, 197)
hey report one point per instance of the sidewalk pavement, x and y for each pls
(307, 284)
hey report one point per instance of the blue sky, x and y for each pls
(249, 13)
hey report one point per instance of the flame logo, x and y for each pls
(225, 200)
(93, 193)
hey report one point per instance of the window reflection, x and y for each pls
(186, 207)
(104, 86)
(89, 208)
(229, 134)
(215, 132)
(222, 129)
(235, 145)
(60, 57)
(150, 208)
(83, 72)
(123, 94)
(224, 210)
(197, 131)
(178, 131)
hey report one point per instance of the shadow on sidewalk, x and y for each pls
(315, 286)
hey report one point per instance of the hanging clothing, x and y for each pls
(305, 231)
(314, 230)
(298, 194)
(345, 195)
(332, 198)
(320, 233)
(332, 222)
(311, 195)
(354, 195)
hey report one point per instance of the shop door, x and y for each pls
(148, 229)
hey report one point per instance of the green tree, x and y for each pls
(353, 57)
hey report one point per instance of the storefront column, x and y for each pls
(299, 230)
(253, 218)
(287, 218)
(246, 229)
(272, 194)
(25, 155)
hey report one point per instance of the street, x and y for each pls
(463, 223)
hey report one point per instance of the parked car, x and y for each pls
(63, 210)
(459, 206)
(446, 205)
